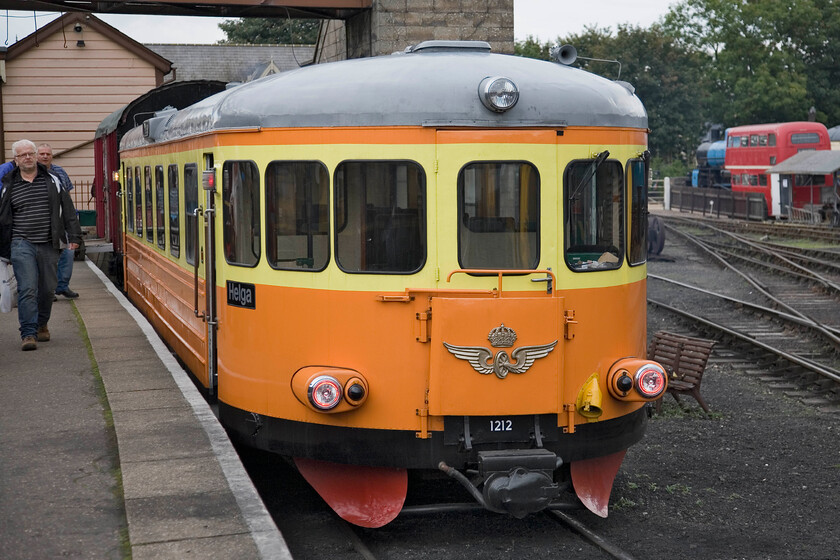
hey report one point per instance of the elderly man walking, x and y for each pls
(65, 261)
(36, 216)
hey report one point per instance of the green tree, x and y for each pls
(773, 59)
(668, 77)
(531, 48)
(270, 31)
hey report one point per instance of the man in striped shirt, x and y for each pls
(36, 216)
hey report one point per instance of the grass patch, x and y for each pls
(113, 448)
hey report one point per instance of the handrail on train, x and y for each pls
(406, 297)
(551, 278)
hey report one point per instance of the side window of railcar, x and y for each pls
(637, 174)
(594, 215)
(241, 212)
(161, 211)
(498, 209)
(174, 216)
(380, 214)
(129, 189)
(138, 203)
(190, 204)
(149, 211)
(297, 218)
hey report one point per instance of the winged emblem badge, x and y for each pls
(485, 362)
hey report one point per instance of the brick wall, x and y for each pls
(392, 25)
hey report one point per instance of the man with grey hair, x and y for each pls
(65, 261)
(36, 216)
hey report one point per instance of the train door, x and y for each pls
(201, 228)
(497, 303)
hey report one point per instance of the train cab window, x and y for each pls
(297, 221)
(594, 214)
(762, 140)
(754, 140)
(498, 209)
(138, 203)
(637, 176)
(190, 205)
(129, 190)
(174, 213)
(771, 139)
(380, 214)
(160, 218)
(241, 212)
(149, 211)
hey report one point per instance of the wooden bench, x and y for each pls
(684, 359)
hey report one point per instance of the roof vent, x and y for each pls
(439, 46)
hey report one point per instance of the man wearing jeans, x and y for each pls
(36, 216)
(65, 261)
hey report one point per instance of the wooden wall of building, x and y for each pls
(58, 92)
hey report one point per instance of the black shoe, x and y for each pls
(68, 293)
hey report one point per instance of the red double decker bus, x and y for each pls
(752, 149)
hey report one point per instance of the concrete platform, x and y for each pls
(107, 450)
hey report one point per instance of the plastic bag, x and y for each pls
(8, 287)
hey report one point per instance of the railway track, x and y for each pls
(778, 230)
(777, 307)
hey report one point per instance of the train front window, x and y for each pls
(498, 209)
(380, 214)
(241, 212)
(174, 213)
(594, 214)
(297, 215)
(637, 175)
(190, 205)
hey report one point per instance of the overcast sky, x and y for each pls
(543, 19)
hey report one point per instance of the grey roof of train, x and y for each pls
(813, 162)
(435, 87)
(230, 63)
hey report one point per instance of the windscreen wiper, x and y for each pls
(599, 159)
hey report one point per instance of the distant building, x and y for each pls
(57, 84)
(231, 63)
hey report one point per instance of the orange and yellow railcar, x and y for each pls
(431, 260)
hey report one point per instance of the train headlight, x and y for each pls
(330, 390)
(650, 381)
(324, 392)
(636, 379)
(498, 94)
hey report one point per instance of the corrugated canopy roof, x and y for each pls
(335, 9)
(820, 162)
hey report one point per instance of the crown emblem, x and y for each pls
(502, 337)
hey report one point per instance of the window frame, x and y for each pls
(538, 210)
(258, 222)
(342, 211)
(622, 220)
(172, 173)
(269, 230)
